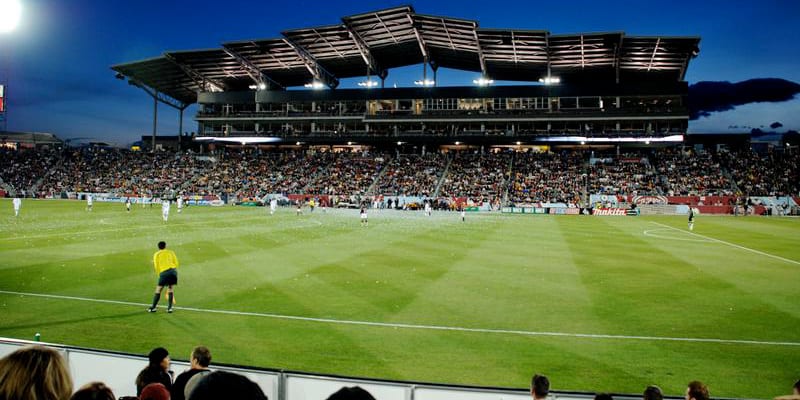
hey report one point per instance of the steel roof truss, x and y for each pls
(362, 47)
(203, 82)
(255, 74)
(314, 67)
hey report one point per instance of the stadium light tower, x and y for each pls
(10, 13)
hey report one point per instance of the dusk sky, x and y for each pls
(56, 63)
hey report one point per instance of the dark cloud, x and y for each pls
(707, 97)
(775, 125)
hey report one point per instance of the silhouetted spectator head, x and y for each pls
(34, 373)
(202, 356)
(351, 393)
(653, 392)
(696, 391)
(603, 396)
(94, 391)
(158, 357)
(540, 386)
(154, 391)
(226, 385)
(193, 381)
(797, 387)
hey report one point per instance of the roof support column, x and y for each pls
(155, 123)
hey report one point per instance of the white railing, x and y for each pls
(119, 370)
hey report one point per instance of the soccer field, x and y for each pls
(596, 303)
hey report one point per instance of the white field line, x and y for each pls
(650, 232)
(731, 244)
(414, 326)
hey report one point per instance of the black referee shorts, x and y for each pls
(168, 277)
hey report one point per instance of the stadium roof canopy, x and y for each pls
(374, 42)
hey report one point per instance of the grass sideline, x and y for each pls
(616, 276)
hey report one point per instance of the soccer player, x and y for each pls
(180, 204)
(273, 204)
(363, 215)
(312, 204)
(165, 210)
(299, 205)
(128, 204)
(89, 202)
(463, 214)
(427, 208)
(17, 205)
(691, 218)
(165, 263)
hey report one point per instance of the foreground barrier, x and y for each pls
(119, 370)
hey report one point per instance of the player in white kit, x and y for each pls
(273, 204)
(165, 210)
(17, 205)
(89, 202)
(180, 204)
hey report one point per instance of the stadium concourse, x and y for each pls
(716, 181)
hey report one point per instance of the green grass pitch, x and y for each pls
(509, 278)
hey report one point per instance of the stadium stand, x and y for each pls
(502, 178)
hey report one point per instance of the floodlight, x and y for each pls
(550, 80)
(262, 86)
(314, 85)
(425, 82)
(252, 87)
(368, 83)
(483, 81)
(10, 12)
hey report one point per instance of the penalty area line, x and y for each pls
(415, 326)
(732, 244)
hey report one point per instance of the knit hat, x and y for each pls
(157, 354)
(154, 391)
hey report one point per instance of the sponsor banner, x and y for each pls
(524, 210)
(610, 211)
(564, 211)
(649, 200)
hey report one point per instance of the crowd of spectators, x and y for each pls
(690, 173)
(548, 177)
(516, 177)
(628, 173)
(347, 173)
(480, 178)
(772, 174)
(21, 170)
(412, 175)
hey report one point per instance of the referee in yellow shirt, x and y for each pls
(165, 263)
